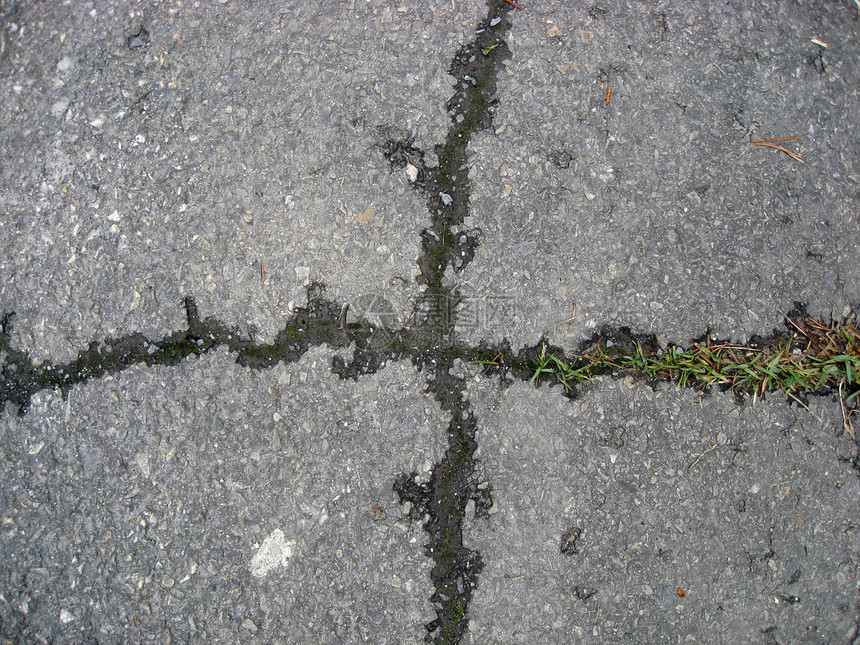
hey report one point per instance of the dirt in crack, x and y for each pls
(442, 501)
(446, 186)
(444, 247)
(321, 322)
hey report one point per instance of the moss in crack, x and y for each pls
(446, 186)
(318, 324)
(262, 355)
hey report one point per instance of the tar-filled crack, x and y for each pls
(428, 342)
(444, 245)
(318, 323)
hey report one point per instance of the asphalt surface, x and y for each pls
(248, 247)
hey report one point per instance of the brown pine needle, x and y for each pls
(794, 155)
(699, 458)
(806, 407)
(755, 143)
(846, 416)
(569, 320)
(513, 3)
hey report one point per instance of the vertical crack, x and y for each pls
(446, 187)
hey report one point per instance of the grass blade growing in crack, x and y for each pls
(796, 364)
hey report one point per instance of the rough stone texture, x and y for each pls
(652, 210)
(761, 534)
(237, 137)
(134, 511)
(230, 151)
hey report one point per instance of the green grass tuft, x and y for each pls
(816, 356)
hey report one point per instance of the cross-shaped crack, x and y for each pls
(429, 340)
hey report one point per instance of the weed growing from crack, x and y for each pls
(578, 371)
(815, 357)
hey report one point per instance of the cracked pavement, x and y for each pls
(250, 251)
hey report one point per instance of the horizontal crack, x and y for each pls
(807, 357)
(318, 323)
(833, 349)
(824, 359)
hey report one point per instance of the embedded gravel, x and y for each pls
(634, 515)
(138, 509)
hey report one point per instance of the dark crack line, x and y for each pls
(315, 324)
(446, 187)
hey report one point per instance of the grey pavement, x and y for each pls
(652, 211)
(240, 507)
(603, 513)
(298, 465)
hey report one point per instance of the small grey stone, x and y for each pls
(470, 510)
